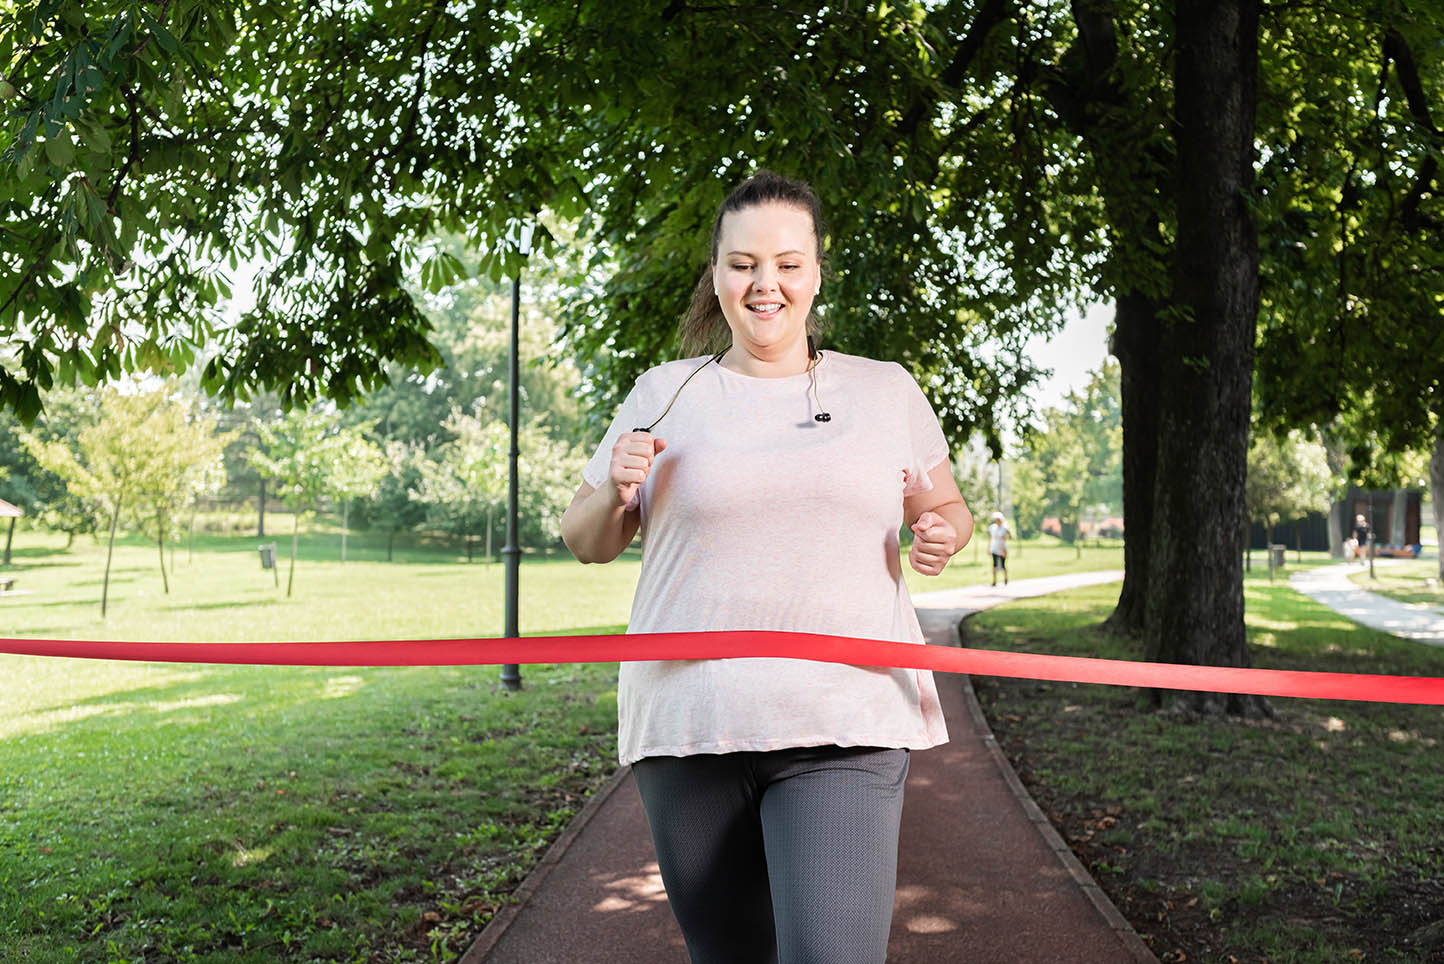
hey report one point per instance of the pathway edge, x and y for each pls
(1112, 916)
(492, 933)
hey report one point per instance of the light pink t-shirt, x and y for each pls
(756, 516)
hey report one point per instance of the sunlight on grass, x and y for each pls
(275, 813)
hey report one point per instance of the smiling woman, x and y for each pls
(760, 510)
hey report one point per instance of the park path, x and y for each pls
(1331, 586)
(982, 875)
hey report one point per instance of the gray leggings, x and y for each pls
(787, 856)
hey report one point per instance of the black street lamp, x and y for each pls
(511, 552)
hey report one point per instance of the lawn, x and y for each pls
(154, 812)
(1309, 837)
(1412, 581)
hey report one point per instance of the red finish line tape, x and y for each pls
(726, 645)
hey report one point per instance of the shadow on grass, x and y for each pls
(224, 604)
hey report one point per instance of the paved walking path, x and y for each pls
(982, 875)
(1332, 586)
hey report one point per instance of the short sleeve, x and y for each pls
(596, 471)
(928, 447)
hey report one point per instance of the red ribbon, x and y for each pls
(725, 645)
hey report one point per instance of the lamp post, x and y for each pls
(511, 552)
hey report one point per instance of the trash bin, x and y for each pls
(1276, 555)
(268, 556)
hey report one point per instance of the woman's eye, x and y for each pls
(741, 267)
(790, 267)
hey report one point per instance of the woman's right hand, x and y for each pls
(632, 458)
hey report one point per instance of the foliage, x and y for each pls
(1352, 323)
(466, 481)
(977, 477)
(358, 464)
(392, 506)
(26, 483)
(1288, 478)
(145, 454)
(1074, 460)
(152, 148)
(311, 457)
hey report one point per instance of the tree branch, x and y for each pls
(992, 13)
(1396, 50)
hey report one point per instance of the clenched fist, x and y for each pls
(934, 542)
(632, 458)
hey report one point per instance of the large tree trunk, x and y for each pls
(1195, 601)
(1135, 344)
(1436, 489)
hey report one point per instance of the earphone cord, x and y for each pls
(822, 416)
(715, 358)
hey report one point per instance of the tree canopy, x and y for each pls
(984, 163)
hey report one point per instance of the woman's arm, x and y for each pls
(597, 526)
(940, 520)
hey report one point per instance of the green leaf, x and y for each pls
(60, 151)
(8, 91)
(162, 36)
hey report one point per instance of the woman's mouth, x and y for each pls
(765, 309)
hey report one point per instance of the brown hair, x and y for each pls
(704, 328)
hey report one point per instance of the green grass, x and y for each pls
(1027, 559)
(154, 812)
(1302, 838)
(1412, 581)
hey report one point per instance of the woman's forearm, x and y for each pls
(595, 527)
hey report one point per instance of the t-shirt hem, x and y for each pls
(790, 743)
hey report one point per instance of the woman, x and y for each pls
(773, 787)
(998, 547)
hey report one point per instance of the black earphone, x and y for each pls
(813, 356)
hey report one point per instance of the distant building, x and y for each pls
(1394, 515)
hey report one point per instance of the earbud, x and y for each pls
(812, 377)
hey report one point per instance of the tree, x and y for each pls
(467, 479)
(1073, 460)
(985, 164)
(357, 465)
(140, 456)
(142, 139)
(184, 459)
(392, 505)
(44, 495)
(301, 452)
(1287, 478)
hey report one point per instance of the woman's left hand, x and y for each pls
(934, 542)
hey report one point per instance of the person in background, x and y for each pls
(1361, 539)
(998, 546)
(769, 481)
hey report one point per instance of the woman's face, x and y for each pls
(767, 273)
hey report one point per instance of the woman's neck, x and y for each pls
(794, 360)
